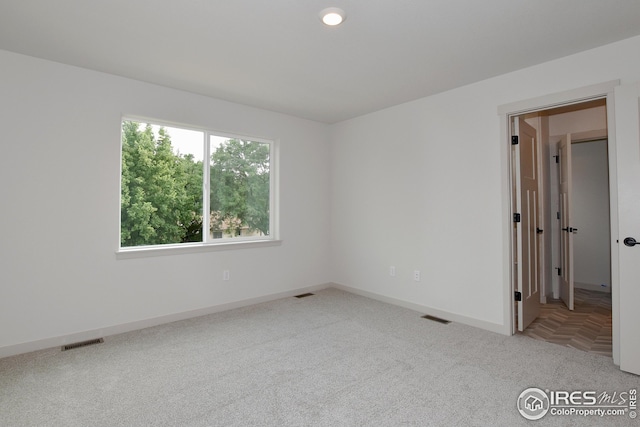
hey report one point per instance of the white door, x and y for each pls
(526, 176)
(566, 231)
(627, 117)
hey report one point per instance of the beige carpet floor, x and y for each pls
(330, 359)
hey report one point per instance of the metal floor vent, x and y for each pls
(304, 295)
(436, 319)
(82, 344)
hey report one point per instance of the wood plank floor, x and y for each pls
(587, 327)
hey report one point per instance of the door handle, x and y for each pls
(630, 241)
(539, 231)
(569, 229)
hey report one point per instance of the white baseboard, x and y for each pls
(58, 341)
(488, 326)
(592, 287)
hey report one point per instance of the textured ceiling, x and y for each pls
(276, 54)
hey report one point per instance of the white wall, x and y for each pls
(420, 186)
(590, 172)
(59, 170)
(423, 186)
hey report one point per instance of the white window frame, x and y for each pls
(208, 244)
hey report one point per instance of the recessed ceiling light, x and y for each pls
(332, 16)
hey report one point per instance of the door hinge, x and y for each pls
(514, 140)
(557, 158)
(558, 215)
(518, 296)
(516, 217)
(559, 271)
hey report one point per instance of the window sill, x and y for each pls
(187, 248)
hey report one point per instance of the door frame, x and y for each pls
(575, 96)
(576, 138)
(565, 209)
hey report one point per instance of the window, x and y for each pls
(170, 195)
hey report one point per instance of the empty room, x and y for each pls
(319, 213)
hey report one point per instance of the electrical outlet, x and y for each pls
(416, 275)
(392, 271)
(225, 275)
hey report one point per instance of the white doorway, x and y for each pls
(624, 174)
(534, 110)
(557, 230)
(590, 222)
